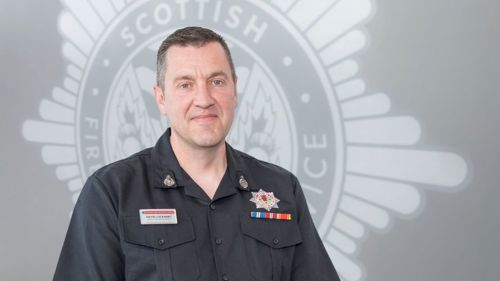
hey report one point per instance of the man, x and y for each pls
(192, 207)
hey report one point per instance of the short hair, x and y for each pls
(188, 36)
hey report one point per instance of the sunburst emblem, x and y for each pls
(264, 200)
(302, 105)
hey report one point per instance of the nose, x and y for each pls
(203, 97)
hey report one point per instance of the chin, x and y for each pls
(208, 136)
(209, 140)
(208, 143)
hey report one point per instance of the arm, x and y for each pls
(91, 250)
(311, 261)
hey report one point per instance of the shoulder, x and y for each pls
(125, 167)
(257, 165)
(114, 176)
(265, 175)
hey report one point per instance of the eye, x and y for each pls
(184, 85)
(218, 82)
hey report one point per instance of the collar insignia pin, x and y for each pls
(265, 200)
(169, 181)
(243, 183)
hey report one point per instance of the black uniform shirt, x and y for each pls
(212, 239)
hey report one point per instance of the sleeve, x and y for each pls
(91, 250)
(311, 261)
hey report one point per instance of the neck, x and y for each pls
(205, 165)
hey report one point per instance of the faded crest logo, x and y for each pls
(302, 105)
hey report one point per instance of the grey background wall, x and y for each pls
(429, 215)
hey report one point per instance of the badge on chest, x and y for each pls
(264, 200)
(158, 216)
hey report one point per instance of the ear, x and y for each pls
(160, 99)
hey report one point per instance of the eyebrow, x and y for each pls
(218, 73)
(183, 77)
(212, 75)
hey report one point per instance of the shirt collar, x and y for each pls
(167, 172)
(239, 171)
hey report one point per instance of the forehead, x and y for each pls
(211, 53)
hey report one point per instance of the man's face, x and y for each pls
(199, 96)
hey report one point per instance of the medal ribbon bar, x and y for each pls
(272, 216)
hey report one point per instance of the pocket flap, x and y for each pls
(160, 236)
(274, 233)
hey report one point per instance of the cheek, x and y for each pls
(231, 104)
(171, 110)
(227, 99)
(175, 108)
(168, 108)
(229, 108)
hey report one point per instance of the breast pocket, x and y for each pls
(160, 252)
(269, 246)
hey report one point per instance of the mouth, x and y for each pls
(203, 117)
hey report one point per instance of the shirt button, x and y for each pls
(276, 241)
(161, 242)
(218, 241)
(212, 206)
(224, 277)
